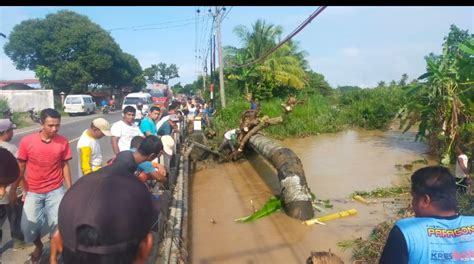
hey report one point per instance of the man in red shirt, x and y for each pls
(45, 158)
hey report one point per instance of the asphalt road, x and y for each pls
(71, 128)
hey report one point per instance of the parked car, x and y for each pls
(79, 103)
(133, 99)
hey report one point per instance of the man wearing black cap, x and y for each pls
(109, 214)
(105, 217)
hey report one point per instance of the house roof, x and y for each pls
(24, 81)
(15, 86)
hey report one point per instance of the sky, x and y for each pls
(348, 45)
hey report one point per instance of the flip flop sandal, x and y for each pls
(32, 260)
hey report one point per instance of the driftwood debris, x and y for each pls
(250, 124)
(291, 103)
(245, 136)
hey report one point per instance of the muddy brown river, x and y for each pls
(335, 165)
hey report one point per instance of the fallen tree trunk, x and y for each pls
(294, 188)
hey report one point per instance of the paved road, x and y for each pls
(71, 128)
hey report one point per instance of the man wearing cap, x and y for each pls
(6, 134)
(88, 147)
(7, 210)
(45, 157)
(167, 125)
(106, 217)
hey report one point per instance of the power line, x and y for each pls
(154, 24)
(286, 39)
(175, 26)
(223, 17)
(203, 36)
(209, 36)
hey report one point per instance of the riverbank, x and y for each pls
(335, 165)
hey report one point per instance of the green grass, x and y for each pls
(366, 108)
(384, 192)
(315, 116)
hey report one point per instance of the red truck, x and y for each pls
(161, 94)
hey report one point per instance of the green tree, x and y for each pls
(161, 73)
(317, 84)
(177, 88)
(442, 104)
(68, 52)
(403, 80)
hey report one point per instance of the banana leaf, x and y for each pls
(271, 206)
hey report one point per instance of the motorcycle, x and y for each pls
(105, 109)
(34, 115)
(8, 114)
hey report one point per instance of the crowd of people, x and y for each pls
(108, 214)
(42, 198)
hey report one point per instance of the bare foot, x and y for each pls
(35, 256)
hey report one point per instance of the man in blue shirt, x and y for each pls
(437, 233)
(159, 172)
(147, 125)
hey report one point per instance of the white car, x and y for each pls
(132, 99)
(79, 103)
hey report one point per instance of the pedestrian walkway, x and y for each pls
(8, 255)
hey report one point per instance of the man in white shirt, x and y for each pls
(463, 179)
(88, 147)
(124, 130)
(229, 140)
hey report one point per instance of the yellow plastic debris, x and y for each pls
(330, 217)
(360, 199)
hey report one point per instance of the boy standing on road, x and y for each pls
(7, 210)
(148, 126)
(45, 157)
(88, 147)
(124, 130)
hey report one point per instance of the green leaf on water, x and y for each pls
(327, 203)
(271, 206)
(422, 161)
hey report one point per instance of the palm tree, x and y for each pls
(260, 39)
(283, 68)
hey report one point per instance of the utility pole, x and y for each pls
(204, 77)
(219, 50)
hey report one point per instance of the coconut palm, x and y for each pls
(283, 68)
